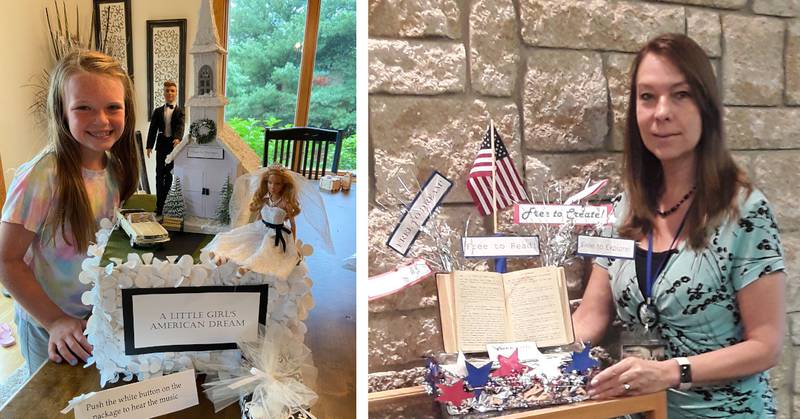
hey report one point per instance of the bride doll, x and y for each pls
(266, 246)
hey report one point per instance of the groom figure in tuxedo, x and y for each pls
(166, 131)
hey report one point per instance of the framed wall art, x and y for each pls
(112, 30)
(166, 60)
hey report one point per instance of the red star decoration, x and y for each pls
(509, 365)
(454, 394)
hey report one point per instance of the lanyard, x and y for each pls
(649, 262)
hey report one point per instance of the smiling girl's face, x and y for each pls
(95, 111)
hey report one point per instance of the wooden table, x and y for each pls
(414, 403)
(52, 387)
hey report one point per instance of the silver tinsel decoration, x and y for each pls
(440, 240)
(557, 243)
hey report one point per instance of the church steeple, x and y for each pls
(207, 101)
(207, 37)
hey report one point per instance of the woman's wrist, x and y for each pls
(671, 372)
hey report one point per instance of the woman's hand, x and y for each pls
(68, 341)
(634, 376)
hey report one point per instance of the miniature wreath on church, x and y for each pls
(203, 130)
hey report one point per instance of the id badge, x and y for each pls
(641, 344)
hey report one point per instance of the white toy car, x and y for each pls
(141, 226)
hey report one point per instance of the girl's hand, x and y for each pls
(634, 376)
(68, 341)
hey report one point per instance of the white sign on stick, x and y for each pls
(393, 281)
(146, 399)
(561, 214)
(605, 246)
(499, 246)
(421, 208)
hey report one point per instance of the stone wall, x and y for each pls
(553, 75)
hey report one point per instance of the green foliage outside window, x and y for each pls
(252, 132)
(264, 52)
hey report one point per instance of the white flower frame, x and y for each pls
(288, 303)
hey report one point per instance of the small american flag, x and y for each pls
(510, 189)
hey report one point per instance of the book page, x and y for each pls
(480, 310)
(535, 306)
(447, 315)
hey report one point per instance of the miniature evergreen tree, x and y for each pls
(173, 205)
(223, 211)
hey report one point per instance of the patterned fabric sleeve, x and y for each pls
(30, 195)
(757, 250)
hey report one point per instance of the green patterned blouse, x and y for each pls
(696, 299)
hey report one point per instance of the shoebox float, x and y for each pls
(155, 313)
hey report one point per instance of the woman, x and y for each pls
(707, 278)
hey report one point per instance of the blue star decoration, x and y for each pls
(581, 361)
(478, 377)
(433, 373)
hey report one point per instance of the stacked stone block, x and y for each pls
(554, 77)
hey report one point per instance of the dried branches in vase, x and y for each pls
(62, 42)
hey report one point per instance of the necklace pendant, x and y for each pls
(648, 314)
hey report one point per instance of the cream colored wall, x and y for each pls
(141, 12)
(25, 52)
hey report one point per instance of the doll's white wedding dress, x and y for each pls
(251, 243)
(265, 246)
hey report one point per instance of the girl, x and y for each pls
(56, 201)
(706, 283)
(266, 245)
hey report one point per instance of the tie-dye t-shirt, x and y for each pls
(55, 264)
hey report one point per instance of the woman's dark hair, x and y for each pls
(718, 177)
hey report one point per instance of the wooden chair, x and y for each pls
(311, 145)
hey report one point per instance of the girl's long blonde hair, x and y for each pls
(288, 193)
(72, 202)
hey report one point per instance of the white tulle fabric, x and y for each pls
(253, 245)
(279, 375)
(312, 208)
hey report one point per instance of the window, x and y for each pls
(265, 47)
(205, 83)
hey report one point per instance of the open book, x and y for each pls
(478, 308)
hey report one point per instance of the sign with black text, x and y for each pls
(145, 399)
(606, 247)
(561, 214)
(191, 318)
(424, 203)
(499, 246)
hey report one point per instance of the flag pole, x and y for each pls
(494, 179)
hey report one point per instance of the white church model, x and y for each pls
(204, 168)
